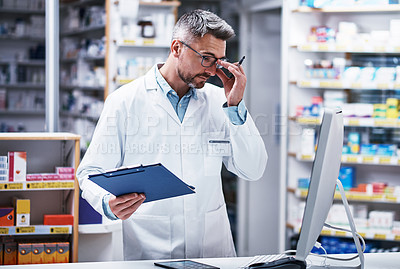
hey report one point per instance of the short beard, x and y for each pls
(190, 80)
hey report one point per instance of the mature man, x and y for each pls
(172, 116)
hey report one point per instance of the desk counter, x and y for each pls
(372, 261)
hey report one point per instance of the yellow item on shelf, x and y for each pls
(392, 111)
(62, 254)
(379, 111)
(24, 253)
(37, 253)
(22, 212)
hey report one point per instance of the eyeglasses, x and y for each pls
(206, 61)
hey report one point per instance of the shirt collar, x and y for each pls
(166, 88)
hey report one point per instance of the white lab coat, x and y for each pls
(139, 126)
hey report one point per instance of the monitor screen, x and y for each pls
(324, 173)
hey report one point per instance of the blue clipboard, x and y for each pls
(155, 181)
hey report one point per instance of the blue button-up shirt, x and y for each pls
(236, 114)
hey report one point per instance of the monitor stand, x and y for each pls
(353, 232)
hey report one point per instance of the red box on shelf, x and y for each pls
(65, 170)
(34, 177)
(50, 177)
(66, 176)
(58, 219)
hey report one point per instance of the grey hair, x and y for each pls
(197, 23)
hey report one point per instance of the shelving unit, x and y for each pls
(133, 53)
(45, 151)
(22, 68)
(83, 65)
(298, 90)
(356, 197)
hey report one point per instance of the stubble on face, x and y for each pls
(190, 79)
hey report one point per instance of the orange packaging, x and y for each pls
(50, 250)
(58, 220)
(62, 255)
(1, 254)
(24, 253)
(10, 254)
(37, 253)
(6, 216)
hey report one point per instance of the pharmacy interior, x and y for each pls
(301, 56)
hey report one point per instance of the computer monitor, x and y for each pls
(324, 173)
(321, 191)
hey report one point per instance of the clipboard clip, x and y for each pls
(124, 171)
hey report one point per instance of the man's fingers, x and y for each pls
(222, 75)
(128, 211)
(126, 198)
(231, 66)
(125, 205)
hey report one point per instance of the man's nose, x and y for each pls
(212, 70)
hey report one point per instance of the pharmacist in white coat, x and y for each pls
(172, 116)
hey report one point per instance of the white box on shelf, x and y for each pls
(17, 166)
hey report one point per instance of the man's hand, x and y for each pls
(123, 206)
(234, 87)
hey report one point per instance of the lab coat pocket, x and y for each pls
(215, 146)
(147, 237)
(217, 240)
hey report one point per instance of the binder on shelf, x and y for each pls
(155, 181)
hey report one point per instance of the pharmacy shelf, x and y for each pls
(353, 9)
(356, 159)
(74, 60)
(141, 43)
(351, 48)
(66, 146)
(25, 62)
(298, 88)
(38, 185)
(160, 4)
(22, 112)
(40, 136)
(4, 38)
(370, 234)
(22, 11)
(82, 31)
(352, 122)
(36, 230)
(79, 116)
(82, 3)
(82, 88)
(340, 84)
(40, 63)
(100, 228)
(24, 86)
(355, 196)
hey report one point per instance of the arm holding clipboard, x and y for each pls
(133, 186)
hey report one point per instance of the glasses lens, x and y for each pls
(208, 61)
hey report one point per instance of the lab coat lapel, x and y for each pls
(194, 105)
(159, 98)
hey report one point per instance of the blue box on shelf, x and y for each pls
(87, 215)
(347, 176)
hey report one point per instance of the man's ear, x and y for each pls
(176, 48)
